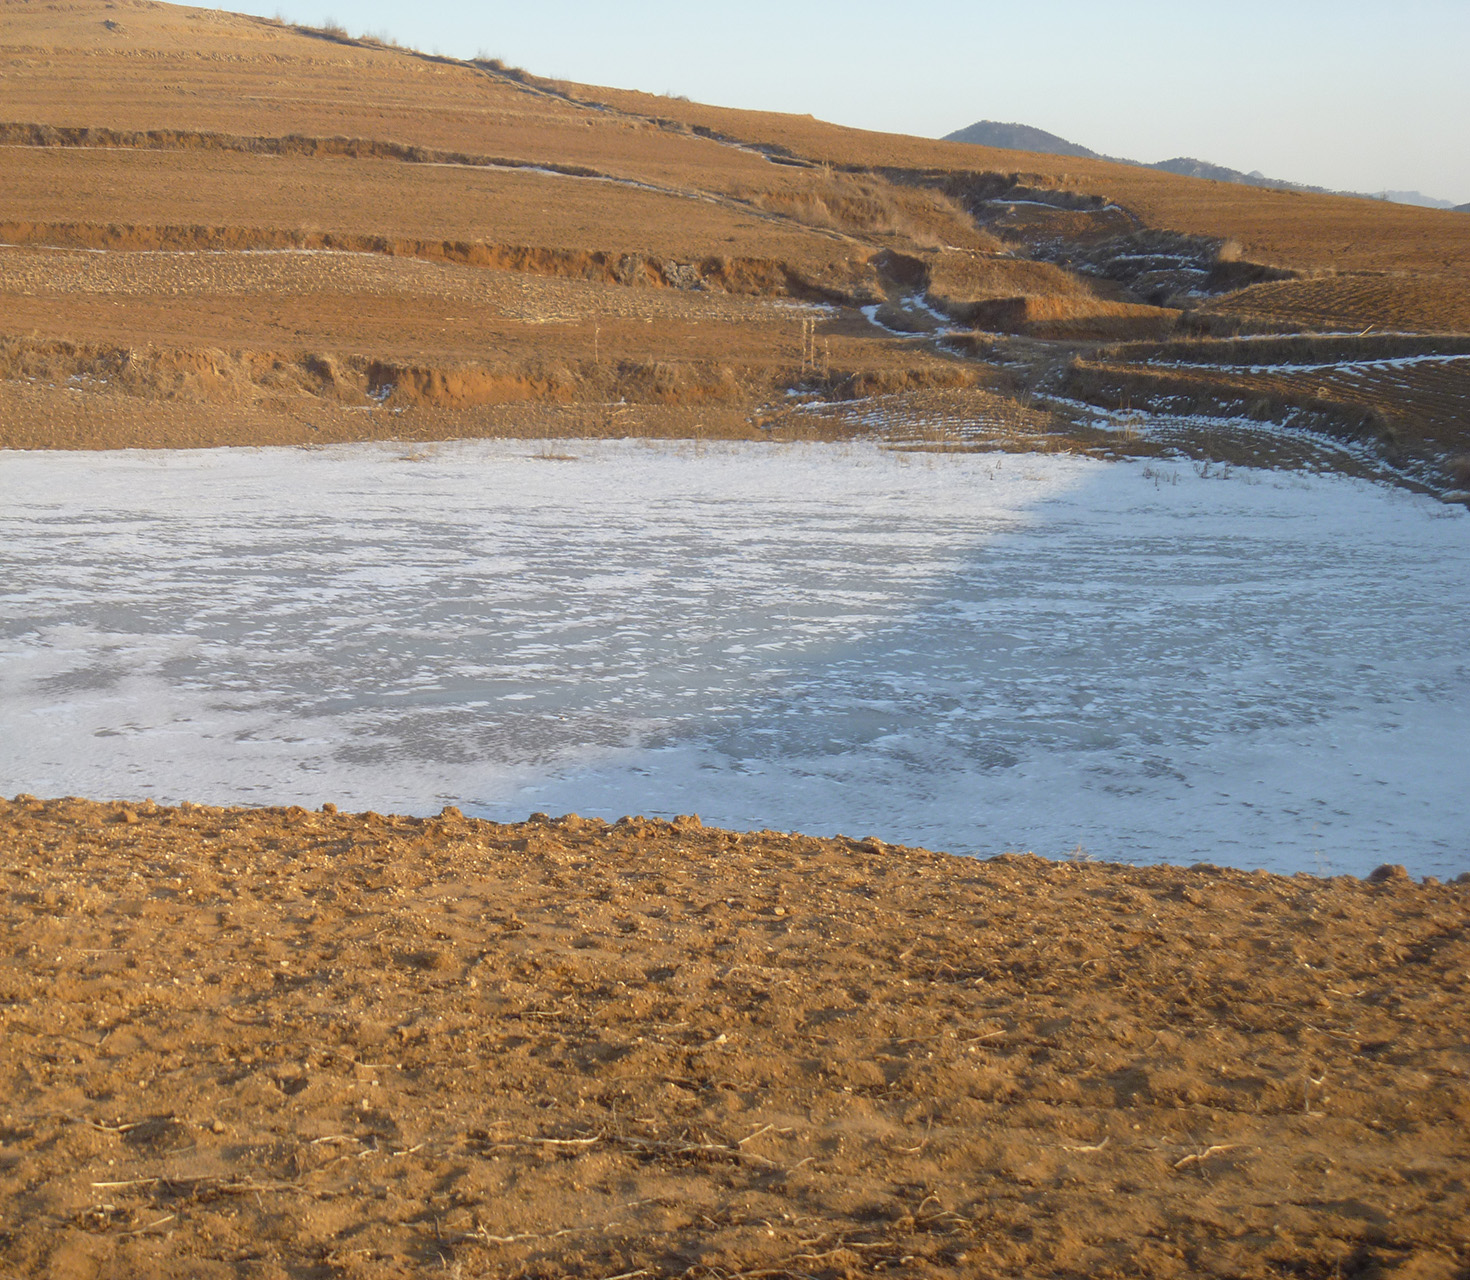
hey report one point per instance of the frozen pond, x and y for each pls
(969, 652)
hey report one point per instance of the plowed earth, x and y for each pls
(287, 1043)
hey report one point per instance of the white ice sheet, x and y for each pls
(974, 653)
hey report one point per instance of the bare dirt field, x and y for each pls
(292, 1043)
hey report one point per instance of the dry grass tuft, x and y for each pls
(486, 62)
(872, 207)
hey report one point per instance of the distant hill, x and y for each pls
(1189, 167)
(1020, 137)
(1414, 197)
(1023, 137)
(1462, 208)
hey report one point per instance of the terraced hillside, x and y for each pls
(327, 238)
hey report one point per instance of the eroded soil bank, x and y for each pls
(289, 1043)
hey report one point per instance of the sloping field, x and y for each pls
(1287, 227)
(181, 144)
(1354, 303)
(1411, 409)
(58, 189)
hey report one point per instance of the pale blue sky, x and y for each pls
(1338, 93)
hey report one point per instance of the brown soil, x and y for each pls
(487, 236)
(284, 1043)
(1355, 303)
(1289, 227)
(73, 416)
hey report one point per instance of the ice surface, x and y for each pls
(970, 652)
